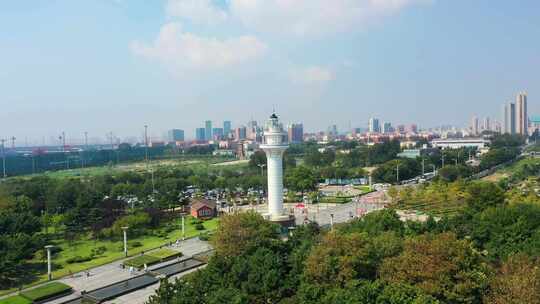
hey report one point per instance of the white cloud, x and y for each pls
(311, 75)
(315, 17)
(182, 50)
(199, 11)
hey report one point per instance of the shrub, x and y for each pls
(199, 227)
(46, 291)
(79, 259)
(98, 251)
(133, 244)
(204, 236)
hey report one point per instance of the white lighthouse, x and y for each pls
(274, 144)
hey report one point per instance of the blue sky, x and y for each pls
(115, 65)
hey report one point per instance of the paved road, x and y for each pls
(343, 212)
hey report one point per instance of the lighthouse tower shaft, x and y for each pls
(274, 144)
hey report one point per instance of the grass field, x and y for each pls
(46, 291)
(15, 300)
(193, 162)
(152, 258)
(114, 251)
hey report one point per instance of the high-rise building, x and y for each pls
(487, 124)
(251, 130)
(374, 125)
(208, 130)
(295, 133)
(217, 133)
(200, 134)
(387, 128)
(240, 133)
(509, 118)
(175, 135)
(226, 128)
(522, 118)
(474, 126)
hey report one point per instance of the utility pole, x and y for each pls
(125, 228)
(13, 138)
(3, 157)
(423, 166)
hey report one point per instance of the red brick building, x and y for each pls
(202, 208)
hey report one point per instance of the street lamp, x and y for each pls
(183, 228)
(124, 229)
(262, 168)
(49, 268)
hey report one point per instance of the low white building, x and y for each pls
(457, 143)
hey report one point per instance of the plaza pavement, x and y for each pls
(111, 273)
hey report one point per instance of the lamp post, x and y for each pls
(49, 268)
(262, 168)
(183, 228)
(125, 228)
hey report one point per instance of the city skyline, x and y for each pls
(408, 62)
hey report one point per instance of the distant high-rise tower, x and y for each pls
(295, 133)
(387, 128)
(509, 118)
(175, 135)
(208, 130)
(522, 119)
(474, 125)
(487, 124)
(240, 133)
(374, 125)
(200, 134)
(226, 128)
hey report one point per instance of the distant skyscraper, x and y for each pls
(208, 130)
(487, 124)
(522, 118)
(509, 118)
(175, 135)
(217, 133)
(226, 127)
(240, 133)
(251, 130)
(374, 125)
(295, 132)
(200, 134)
(474, 126)
(387, 128)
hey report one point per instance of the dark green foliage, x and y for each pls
(387, 172)
(452, 172)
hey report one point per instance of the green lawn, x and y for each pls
(46, 291)
(83, 248)
(15, 300)
(165, 253)
(139, 261)
(152, 258)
